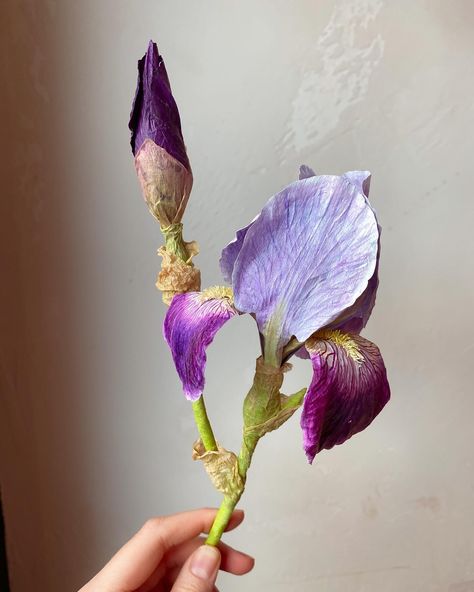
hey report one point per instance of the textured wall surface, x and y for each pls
(95, 433)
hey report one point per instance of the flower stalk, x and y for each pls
(174, 243)
(265, 409)
(204, 425)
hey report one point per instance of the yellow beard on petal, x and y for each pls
(342, 340)
(217, 292)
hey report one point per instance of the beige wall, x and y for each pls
(95, 435)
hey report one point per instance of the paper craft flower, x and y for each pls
(306, 268)
(157, 142)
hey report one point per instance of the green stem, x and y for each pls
(228, 503)
(221, 520)
(175, 244)
(203, 424)
(174, 241)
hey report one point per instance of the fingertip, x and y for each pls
(235, 562)
(235, 520)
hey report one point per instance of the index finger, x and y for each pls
(136, 561)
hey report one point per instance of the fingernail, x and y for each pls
(204, 562)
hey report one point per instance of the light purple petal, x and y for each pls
(306, 258)
(348, 390)
(355, 318)
(361, 179)
(231, 252)
(190, 325)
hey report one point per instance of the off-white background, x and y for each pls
(96, 435)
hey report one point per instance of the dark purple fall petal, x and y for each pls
(305, 259)
(348, 390)
(190, 325)
(154, 113)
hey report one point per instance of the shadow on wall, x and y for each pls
(42, 435)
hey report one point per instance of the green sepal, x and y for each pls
(288, 405)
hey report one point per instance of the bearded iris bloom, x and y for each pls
(306, 269)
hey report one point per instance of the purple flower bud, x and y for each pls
(157, 142)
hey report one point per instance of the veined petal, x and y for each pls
(355, 318)
(348, 390)
(191, 323)
(306, 258)
(361, 179)
(232, 250)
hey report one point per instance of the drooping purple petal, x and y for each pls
(154, 112)
(305, 259)
(348, 390)
(190, 325)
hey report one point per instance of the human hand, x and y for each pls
(167, 555)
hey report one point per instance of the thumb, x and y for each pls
(199, 572)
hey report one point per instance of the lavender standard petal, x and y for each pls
(348, 390)
(355, 318)
(361, 179)
(154, 112)
(190, 325)
(307, 257)
(231, 251)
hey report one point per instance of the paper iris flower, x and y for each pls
(306, 269)
(157, 142)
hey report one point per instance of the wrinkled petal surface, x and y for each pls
(361, 179)
(191, 323)
(306, 258)
(348, 390)
(355, 318)
(154, 112)
(231, 252)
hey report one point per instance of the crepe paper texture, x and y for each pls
(305, 268)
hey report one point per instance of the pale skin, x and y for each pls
(168, 555)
